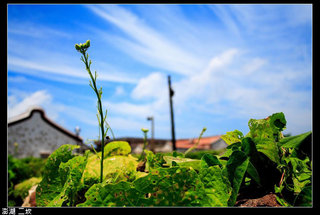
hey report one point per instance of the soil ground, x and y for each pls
(268, 200)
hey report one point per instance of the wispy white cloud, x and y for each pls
(202, 84)
(230, 23)
(35, 30)
(253, 65)
(62, 70)
(17, 106)
(145, 44)
(49, 53)
(152, 86)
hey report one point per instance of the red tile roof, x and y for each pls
(205, 142)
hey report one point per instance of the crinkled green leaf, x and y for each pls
(51, 184)
(236, 168)
(183, 162)
(117, 148)
(208, 160)
(177, 186)
(270, 128)
(248, 146)
(278, 122)
(230, 149)
(301, 172)
(232, 137)
(270, 149)
(115, 168)
(217, 186)
(152, 160)
(294, 141)
(71, 174)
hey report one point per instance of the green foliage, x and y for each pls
(57, 177)
(20, 170)
(198, 154)
(236, 168)
(232, 137)
(262, 160)
(208, 160)
(217, 186)
(296, 168)
(162, 187)
(178, 161)
(117, 148)
(267, 129)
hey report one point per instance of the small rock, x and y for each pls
(30, 200)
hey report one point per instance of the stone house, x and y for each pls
(34, 134)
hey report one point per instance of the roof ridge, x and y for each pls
(27, 114)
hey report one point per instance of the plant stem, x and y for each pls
(100, 111)
(145, 131)
(197, 143)
(281, 180)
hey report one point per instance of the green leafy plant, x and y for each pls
(19, 170)
(260, 162)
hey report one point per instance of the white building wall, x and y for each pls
(34, 136)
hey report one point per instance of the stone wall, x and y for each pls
(34, 136)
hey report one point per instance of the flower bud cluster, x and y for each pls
(82, 47)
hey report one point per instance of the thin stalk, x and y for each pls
(197, 143)
(101, 118)
(145, 131)
(82, 50)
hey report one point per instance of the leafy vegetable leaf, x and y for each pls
(248, 146)
(252, 171)
(208, 160)
(217, 186)
(183, 162)
(117, 148)
(51, 184)
(232, 137)
(294, 141)
(176, 186)
(116, 168)
(270, 149)
(269, 128)
(70, 173)
(236, 168)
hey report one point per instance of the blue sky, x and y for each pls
(228, 63)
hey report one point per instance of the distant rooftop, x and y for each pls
(205, 142)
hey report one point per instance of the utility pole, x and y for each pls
(150, 118)
(171, 93)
